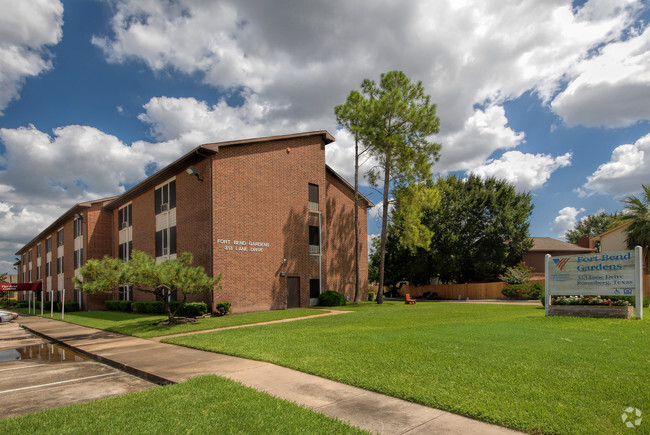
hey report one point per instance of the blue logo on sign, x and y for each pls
(627, 291)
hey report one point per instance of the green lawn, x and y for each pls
(142, 325)
(504, 364)
(207, 404)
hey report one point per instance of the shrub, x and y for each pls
(223, 308)
(523, 291)
(69, 306)
(430, 295)
(118, 306)
(139, 307)
(331, 298)
(518, 274)
(22, 304)
(193, 309)
(371, 296)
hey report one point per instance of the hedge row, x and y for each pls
(529, 290)
(191, 309)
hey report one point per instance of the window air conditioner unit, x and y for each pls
(125, 224)
(165, 251)
(164, 207)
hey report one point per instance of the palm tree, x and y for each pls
(638, 212)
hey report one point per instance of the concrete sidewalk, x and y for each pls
(165, 363)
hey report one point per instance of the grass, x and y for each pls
(206, 404)
(502, 364)
(144, 325)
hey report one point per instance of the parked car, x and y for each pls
(7, 316)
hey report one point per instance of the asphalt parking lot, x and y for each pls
(37, 375)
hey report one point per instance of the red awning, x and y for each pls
(20, 286)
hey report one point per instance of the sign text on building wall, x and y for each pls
(242, 245)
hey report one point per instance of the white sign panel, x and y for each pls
(605, 274)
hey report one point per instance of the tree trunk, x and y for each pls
(384, 225)
(357, 283)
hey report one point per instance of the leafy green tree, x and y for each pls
(145, 274)
(592, 226)
(637, 211)
(397, 120)
(479, 228)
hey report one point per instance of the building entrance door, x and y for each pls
(293, 292)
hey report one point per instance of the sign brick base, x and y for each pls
(626, 312)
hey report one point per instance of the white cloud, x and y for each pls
(484, 132)
(45, 175)
(298, 60)
(27, 28)
(624, 173)
(525, 171)
(565, 220)
(611, 88)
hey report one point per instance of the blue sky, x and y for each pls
(95, 95)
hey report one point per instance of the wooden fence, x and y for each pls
(475, 290)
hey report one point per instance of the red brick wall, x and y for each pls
(260, 194)
(340, 241)
(193, 233)
(98, 232)
(192, 224)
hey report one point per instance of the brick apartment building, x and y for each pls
(267, 213)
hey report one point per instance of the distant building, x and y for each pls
(612, 240)
(534, 257)
(268, 213)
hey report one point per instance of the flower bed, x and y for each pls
(617, 312)
(590, 306)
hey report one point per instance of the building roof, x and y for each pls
(61, 220)
(548, 244)
(198, 154)
(195, 155)
(613, 230)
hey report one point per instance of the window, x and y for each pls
(48, 244)
(314, 288)
(166, 242)
(124, 251)
(125, 292)
(165, 197)
(314, 238)
(78, 258)
(78, 228)
(59, 237)
(313, 196)
(48, 268)
(24, 259)
(38, 272)
(124, 217)
(38, 251)
(59, 265)
(29, 256)
(78, 296)
(170, 296)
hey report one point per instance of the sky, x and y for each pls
(95, 95)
